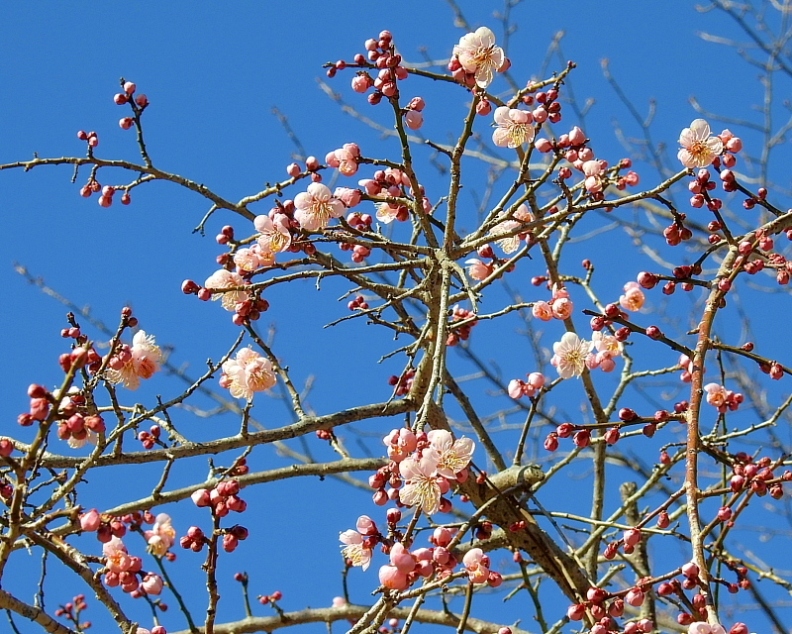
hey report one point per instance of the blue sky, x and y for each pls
(213, 73)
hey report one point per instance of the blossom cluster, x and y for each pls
(427, 464)
(128, 364)
(121, 568)
(560, 306)
(406, 566)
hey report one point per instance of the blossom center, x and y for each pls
(699, 149)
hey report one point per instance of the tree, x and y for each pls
(600, 476)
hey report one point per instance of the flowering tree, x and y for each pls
(648, 391)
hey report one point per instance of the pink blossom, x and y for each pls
(162, 535)
(401, 558)
(606, 344)
(355, 550)
(514, 127)
(509, 223)
(350, 197)
(90, 520)
(478, 54)
(542, 310)
(478, 270)
(536, 380)
(252, 258)
(386, 212)
(391, 577)
(593, 171)
(371, 186)
(401, 443)
(413, 119)
(141, 361)
(699, 147)
(515, 388)
(223, 279)
(249, 372)
(477, 565)
(570, 355)
(562, 308)
(345, 159)
(421, 487)
(453, 455)
(118, 559)
(366, 526)
(200, 497)
(316, 207)
(152, 583)
(275, 236)
(717, 395)
(633, 298)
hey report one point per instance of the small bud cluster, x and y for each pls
(268, 599)
(402, 384)
(150, 438)
(380, 56)
(223, 498)
(72, 610)
(460, 333)
(757, 476)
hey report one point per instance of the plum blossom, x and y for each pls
(223, 279)
(607, 347)
(140, 361)
(345, 159)
(316, 207)
(542, 310)
(721, 398)
(393, 578)
(453, 455)
(593, 170)
(91, 520)
(478, 270)
(275, 236)
(350, 197)
(699, 146)
(478, 54)
(387, 212)
(508, 224)
(250, 259)
(717, 395)
(633, 298)
(400, 443)
(477, 565)
(152, 584)
(118, 558)
(514, 127)
(162, 535)
(249, 372)
(700, 627)
(421, 487)
(356, 549)
(570, 354)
